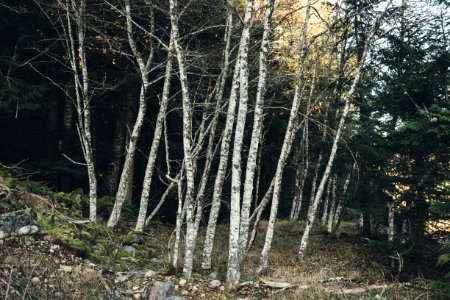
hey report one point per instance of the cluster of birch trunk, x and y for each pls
(215, 126)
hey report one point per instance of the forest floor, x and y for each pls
(338, 266)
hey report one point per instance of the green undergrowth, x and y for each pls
(97, 243)
(57, 215)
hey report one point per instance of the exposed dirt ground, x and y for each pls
(336, 267)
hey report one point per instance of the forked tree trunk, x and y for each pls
(222, 169)
(256, 134)
(143, 67)
(233, 271)
(287, 143)
(155, 144)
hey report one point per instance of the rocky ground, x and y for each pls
(48, 251)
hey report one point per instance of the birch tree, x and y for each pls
(144, 70)
(191, 233)
(256, 133)
(233, 274)
(288, 140)
(223, 158)
(75, 35)
(337, 136)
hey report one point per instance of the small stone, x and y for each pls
(150, 273)
(134, 288)
(222, 288)
(137, 296)
(66, 269)
(174, 298)
(28, 230)
(130, 250)
(194, 288)
(35, 280)
(213, 275)
(2, 235)
(122, 278)
(215, 284)
(184, 293)
(176, 287)
(156, 260)
(203, 295)
(182, 282)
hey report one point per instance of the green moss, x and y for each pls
(122, 253)
(9, 182)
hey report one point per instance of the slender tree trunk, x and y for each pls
(287, 143)
(222, 168)
(155, 144)
(233, 271)
(334, 200)
(78, 64)
(144, 67)
(256, 134)
(212, 135)
(191, 233)
(326, 174)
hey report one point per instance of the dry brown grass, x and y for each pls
(328, 256)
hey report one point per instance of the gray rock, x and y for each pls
(130, 250)
(11, 222)
(123, 278)
(174, 298)
(215, 283)
(30, 229)
(150, 273)
(156, 260)
(213, 275)
(133, 238)
(66, 269)
(2, 235)
(182, 282)
(159, 290)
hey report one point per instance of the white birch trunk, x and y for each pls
(221, 171)
(326, 174)
(215, 120)
(233, 271)
(131, 150)
(82, 94)
(256, 134)
(287, 143)
(178, 224)
(155, 145)
(191, 233)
